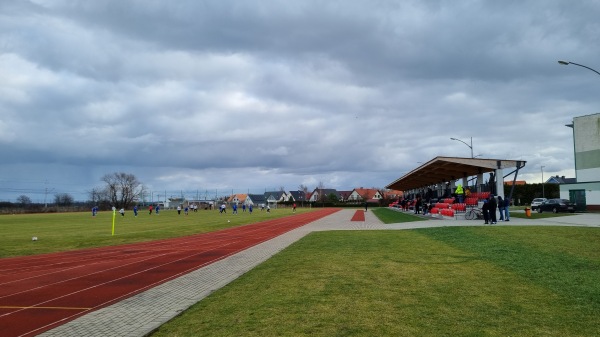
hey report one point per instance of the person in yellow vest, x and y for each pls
(460, 193)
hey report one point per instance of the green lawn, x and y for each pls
(449, 281)
(387, 216)
(69, 231)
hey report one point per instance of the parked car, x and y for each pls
(556, 205)
(536, 202)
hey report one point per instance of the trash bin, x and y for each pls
(528, 212)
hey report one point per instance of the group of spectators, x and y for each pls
(491, 205)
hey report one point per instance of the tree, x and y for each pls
(96, 195)
(303, 188)
(321, 188)
(121, 189)
(63, 199)
(24, 200)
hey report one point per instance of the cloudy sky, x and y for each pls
(235, 96)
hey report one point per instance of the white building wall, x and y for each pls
(586, 141)
(588, 175)
(592, 191)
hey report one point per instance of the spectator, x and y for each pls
(486, 211)
(492, 206)
(506, 212)
(460, 193)
(501, 208)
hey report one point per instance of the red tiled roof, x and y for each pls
(517, 182)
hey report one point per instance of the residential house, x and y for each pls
(325, 192)
(365, 194)
(560, 180)
(344, 195)
(297, 196)
(277, 196)
(255, 200)
(392, 194)
(517, 182)
(173, 202)
(237, 199)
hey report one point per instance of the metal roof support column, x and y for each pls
(499, 181)
(479, 182)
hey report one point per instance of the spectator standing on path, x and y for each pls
(492, 205)
(366, 206)
(506, 212)
(486, 211)
(501, 208)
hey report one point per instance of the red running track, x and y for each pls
(40, 292)
(358, 216)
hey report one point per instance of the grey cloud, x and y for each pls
(245, 95)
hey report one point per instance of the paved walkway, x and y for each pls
(141, 314)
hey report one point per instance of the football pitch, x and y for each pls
(68, 231)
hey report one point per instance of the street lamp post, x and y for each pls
(470, 146)
(566, 63)
(543, 194)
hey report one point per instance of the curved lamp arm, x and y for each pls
(566, 63)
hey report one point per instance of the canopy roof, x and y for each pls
(445, 169)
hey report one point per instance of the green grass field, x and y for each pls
(69, 231)
(450, 281)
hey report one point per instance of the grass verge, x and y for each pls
(452, 281)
